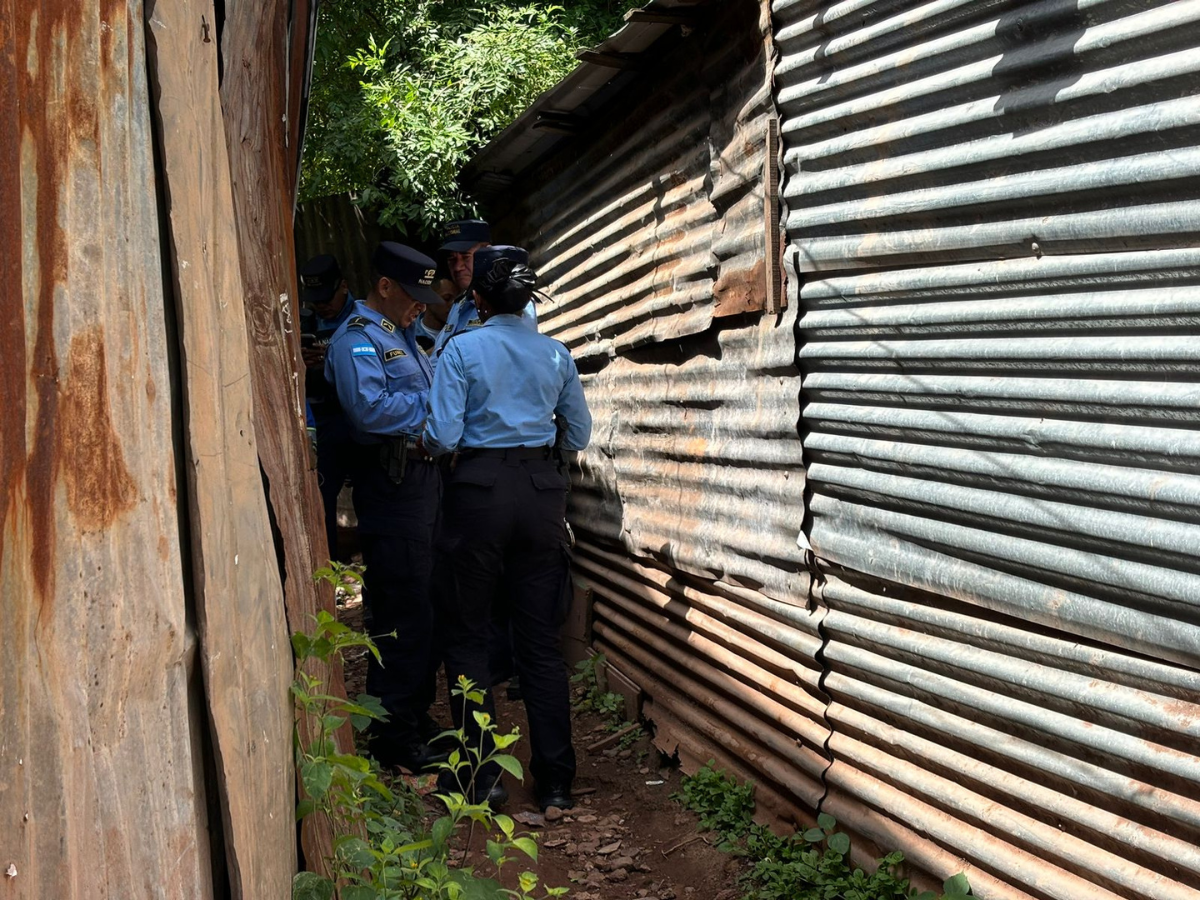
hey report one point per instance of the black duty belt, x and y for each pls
(507, 453)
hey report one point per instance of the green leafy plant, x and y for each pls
(594, 695)
(814, 865)
(724, 806)
(385, 846)
(405, 91)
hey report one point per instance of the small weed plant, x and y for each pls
(594, 696)
(814, 865)
(385, 845)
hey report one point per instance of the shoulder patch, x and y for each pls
(358, 322)
(363, 350)
(387, 326)
(395, 353)
(475, 323)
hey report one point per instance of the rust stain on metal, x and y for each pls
(99, 485)
(741, 290)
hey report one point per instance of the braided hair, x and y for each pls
(508, 286)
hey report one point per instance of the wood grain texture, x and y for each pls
(100, 787)
(254, 92)
(244, 643)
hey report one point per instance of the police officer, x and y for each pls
(499, 397)
(461, 241)
(327, 303)
(433, 320)
(382, 380)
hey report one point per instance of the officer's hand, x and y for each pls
(313, 356)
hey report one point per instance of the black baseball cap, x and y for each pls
(320, 279)
(411, 269)
(462, 235)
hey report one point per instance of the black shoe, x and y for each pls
(430, 730)
(514, 689)
(555, 795)
(495, 796)
(413, 757)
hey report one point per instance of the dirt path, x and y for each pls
(625, 839)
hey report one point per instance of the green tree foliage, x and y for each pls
(405, 91)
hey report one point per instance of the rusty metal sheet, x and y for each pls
(256, 49)
(991, 210)
(697, 463)
(247, 657)
(101, 784)
(720, 664)
(646, 229)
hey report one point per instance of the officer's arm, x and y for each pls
(574, 409)
(362, 390)
(447, 404)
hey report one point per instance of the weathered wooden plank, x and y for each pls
(246, 654)
(256, 55)
(100, 792)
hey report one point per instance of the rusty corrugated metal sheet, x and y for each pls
(645, 234)
(697, 463)
(731, 670)
(992, 221)
(101, 790)
(652, 232)
(654, 225)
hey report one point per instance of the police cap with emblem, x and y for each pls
(410, 269)
(461, 236)
(320, 279)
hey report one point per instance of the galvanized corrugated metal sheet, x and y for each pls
(991, 213)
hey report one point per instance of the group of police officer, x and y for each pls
(450, 416)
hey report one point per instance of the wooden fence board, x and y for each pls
(100, 795)
(239, 598)
(256, 51)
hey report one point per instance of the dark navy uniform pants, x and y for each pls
(395, 524)
(502, 530)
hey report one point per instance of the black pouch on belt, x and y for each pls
(394, 458)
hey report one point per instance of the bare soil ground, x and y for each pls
(625, 839)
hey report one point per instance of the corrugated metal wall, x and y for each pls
(991, 209)
(649, 230)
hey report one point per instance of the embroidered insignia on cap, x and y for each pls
(363, 351)
(452, 230)
(397, 353)
(427, 278)
(312, 281)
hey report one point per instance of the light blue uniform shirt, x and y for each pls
(465, 317)
(502, 385)
(381, 376)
